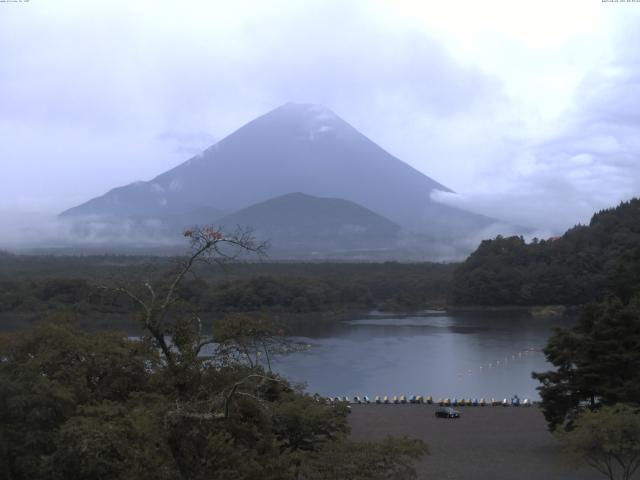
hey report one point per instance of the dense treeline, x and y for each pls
(32, 286)
(579, 267)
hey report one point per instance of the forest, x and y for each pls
(581, 266)
(35, 286)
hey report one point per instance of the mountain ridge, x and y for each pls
(294, 148)
(302, 147)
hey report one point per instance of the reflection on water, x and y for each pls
(487, 354)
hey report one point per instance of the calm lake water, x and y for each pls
(487, 354)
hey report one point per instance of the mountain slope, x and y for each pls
(294, 148)
(303, 224)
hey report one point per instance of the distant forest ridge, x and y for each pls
(37, 287)
(583, 265)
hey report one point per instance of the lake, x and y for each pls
(443, 354)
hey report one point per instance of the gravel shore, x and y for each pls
(493, 443)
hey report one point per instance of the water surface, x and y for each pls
(480, 354)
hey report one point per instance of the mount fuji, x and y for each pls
(296, 148)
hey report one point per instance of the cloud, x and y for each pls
(89, 105)
(590, 162)
(186, 144)
(97, 95)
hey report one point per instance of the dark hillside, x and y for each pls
(583, 265)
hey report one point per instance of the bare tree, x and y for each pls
(178, 335)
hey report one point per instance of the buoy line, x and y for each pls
(500, 363)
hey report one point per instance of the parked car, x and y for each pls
(447, 412)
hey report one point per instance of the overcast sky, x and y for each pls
(529, 110)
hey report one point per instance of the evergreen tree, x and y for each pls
(597, 362)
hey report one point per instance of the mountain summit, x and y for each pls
(294, 148)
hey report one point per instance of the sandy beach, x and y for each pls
(492, 443)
